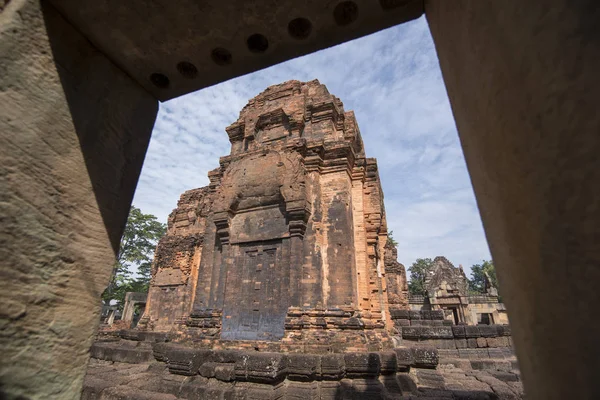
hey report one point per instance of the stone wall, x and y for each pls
(194, 373)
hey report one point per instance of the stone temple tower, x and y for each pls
(287, 244)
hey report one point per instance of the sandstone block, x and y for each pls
(302, 390)
(411, 332)
(225, 372)
(185, 361)
(458, 331)
(501, 341)
(207, 369)
(472, 331)
(332, 366)
(399, 314)
(404, 358)
(262, 367)
(488, 330)
(414, 314)
(437, 314)
(425, 357)
(362, 364)
(304, 367)
(389, 362)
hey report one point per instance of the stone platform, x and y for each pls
(158, 370)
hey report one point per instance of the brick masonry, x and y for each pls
(288, 243)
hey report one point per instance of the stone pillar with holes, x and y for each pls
(522, 78)
(74, 131)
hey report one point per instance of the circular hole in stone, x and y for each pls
(221, 56)
(257, 43)
(391, 4)
(159, 80)
(345, 13)
(299, 28)
(187, 69)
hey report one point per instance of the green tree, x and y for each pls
(139, 240)
(418, 271)
(390, 239)
(478, 271)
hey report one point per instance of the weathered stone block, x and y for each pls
(302, 390)
(207, 369)
(488, 330)
(436, 332)
(414, 314)
(501, 341)
(437, 314)
(330, 390)
(407, 383)
(159, 351)
(481, 342)
(411, 332)
(186, 361)
(503, 330)
(402, 322)
(262, 367)
(458, 331)
(389, 362)
(303, 367)
(226, 356)
(260, 391)
(483, 353)
(469, 353)
(332, 366)
(446, 344)
(225, 372)
(426, 314)
(472, 331)
(472, 343)
(460, 343)
(362, 364)
(368, 388)
(121, 353)
(399, 314)
(425, 357)
(404, 358)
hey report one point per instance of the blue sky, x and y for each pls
(393, 83)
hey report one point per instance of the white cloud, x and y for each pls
(392, 81)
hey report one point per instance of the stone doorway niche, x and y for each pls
(255, 307)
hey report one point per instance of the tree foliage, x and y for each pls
(418, 271)
(138, 243)
(478, 271)
(390, 239)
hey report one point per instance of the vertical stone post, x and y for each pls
(522, 78)
(74, 131)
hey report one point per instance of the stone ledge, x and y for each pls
(267, 367)
(124, 351)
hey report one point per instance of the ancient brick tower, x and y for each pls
(288, 242)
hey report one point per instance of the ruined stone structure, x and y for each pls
(447, 289)
(278, 281)
(288, 242)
